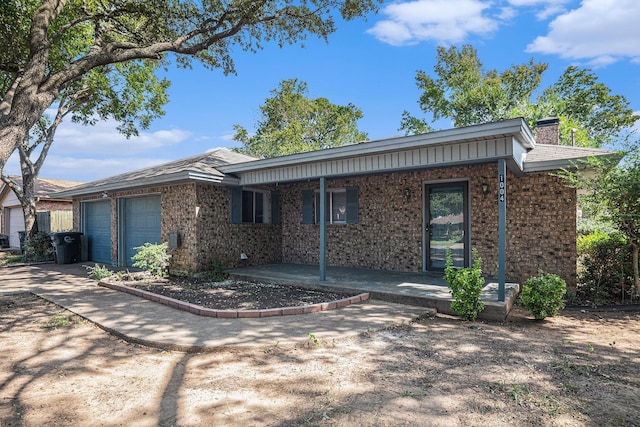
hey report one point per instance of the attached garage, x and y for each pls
(97, 230)
(139, 224)
(15, 224)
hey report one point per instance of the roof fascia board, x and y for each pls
(574, 163)
(172, 179)
(514, 127)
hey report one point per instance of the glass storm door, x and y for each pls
(446, 212)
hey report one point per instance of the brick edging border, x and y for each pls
(232, 314)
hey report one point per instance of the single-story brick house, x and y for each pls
(52, 214)
(390, 204)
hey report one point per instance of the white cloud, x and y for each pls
(86, 153)
(85, 169)
(90, 169)
(443, 21)
(103, 138)
(599, 31)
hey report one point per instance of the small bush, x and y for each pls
(542, 295)
(98, 272)
(39, 248)
(152, 258)
(216, 274)
(466, 285)
(604, 267)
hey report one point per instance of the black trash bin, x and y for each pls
(21, 235)
(67, 245)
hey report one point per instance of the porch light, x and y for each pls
(407, 193)
(485, 189)
(243, 256)
(105, 195)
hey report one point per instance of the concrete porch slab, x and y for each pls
(417, 289)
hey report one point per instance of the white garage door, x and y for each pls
(16, 223)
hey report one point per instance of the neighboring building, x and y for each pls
(392, 204)
(52, 214)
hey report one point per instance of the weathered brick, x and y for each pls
(227, 314)
(249, 313)
(289, 311)
(270, 312)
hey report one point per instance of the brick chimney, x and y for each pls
(548, 131)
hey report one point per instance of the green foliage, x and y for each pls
(152, 258)
(39, 248)
(99, 59)
(13, 259)
(98, 272)
(615, 189)
(293, 123)
(312, 341)
(58, 320)
(216, 274)
(542, 295)
(469, 94)
(464, 91)
(466, 286)
(604, 265)
(587, 105)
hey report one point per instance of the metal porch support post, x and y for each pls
(323, 229)
(502, 227)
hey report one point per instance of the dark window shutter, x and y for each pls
(275, 207)
(307, 206)
(236, 205)
(352, 205)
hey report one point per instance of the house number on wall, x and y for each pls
(502, 192)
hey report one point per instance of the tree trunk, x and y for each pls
(30, 219)
(636, 272)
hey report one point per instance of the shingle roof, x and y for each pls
(44, 187)
(200, 167)
(550, 157)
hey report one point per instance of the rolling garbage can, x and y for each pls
(21, 239)
(67, 246)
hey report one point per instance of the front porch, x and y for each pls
(418, 289)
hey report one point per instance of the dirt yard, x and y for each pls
(577, 369)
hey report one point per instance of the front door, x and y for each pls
(446, 224)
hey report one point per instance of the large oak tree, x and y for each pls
(294, 123)
(463, 90)
(47, 46)
(92, 59)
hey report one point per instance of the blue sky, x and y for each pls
(371, 64)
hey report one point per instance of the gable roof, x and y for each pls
(43, 188)
(511, 140)
(508, 139)
(547, 157)
(201, 167)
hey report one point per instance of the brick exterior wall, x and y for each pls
(541, 223)
(201, 214)
(220, 240)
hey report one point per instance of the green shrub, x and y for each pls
(39, 248)
(152, 258)
(604, 264)
(98, 272)
(542, 295)
(216, 274)
(466, 285)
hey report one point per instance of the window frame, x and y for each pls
(330, 199)
(265, 206)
